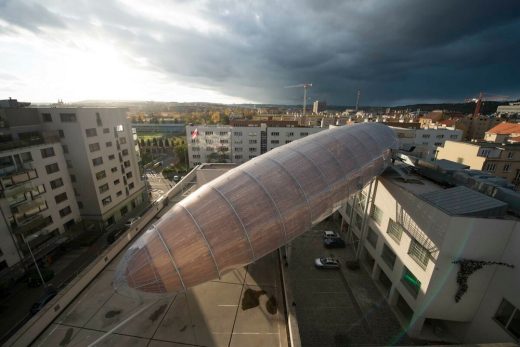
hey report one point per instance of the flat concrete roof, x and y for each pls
(243, 308)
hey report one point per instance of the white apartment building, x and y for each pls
(426, 141)
(409, 231)
(238, 144)
(37, 200)
(102, 159)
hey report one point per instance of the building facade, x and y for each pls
(102, 157)
(37, 201)
(319, 106)
(413, 236)
(502, 160)
(426, 141)
(238, 144)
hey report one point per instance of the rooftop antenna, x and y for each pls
(357, 99)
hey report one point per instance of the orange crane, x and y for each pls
(479, 100)
(305, 87)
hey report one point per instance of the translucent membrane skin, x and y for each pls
(255, 208)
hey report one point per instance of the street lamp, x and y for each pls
(34, 260)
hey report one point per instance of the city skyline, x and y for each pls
(232, 52)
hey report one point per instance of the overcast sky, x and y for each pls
(230, 51)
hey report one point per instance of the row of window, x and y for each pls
(491, 167)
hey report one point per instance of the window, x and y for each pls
(73, 178)
(208, 133)
(61, 133)
(114, 169)
(238, 149)
(60, 197)
(106, 130)
(99, 122)
(507, 167)
(26, 157)
(454, 137)
(410, 282)
(97, 161)
(238, 156)
(438, 144)
(108, 144)
(440, 136)
(103, 188)
(125, 152)
(124, 210)
(65, 149)
(47, 152)
(129, 175)
(94, 147)
(419, 253)
(275, 142)
(101, 174)
(65, 211)
(67, 117)
(131, 185)
(116, 182)
(510, 155)
(119, 128)
(237, 133)
(223, 133)
(58, 182)
(275, 133)
(252, 149)
(252, 156)
(111, 157)
(485, 153)
(223, 142)
(209, 141)
(127, 163)
(46, 117)
(490, 167)
(252, 142)
(304, 134)
(52, 168)
(508, 316)
(426, 136)
(106, 200)
(288, 141)
(209, 149)
(388, 256)
(377, 214)
(91, 132)
(119, 193)
(122, 140)
(395, 231)
(372, 237)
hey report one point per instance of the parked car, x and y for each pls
(329, 234)
(132, 221)
(334, 242)
(326, 263)
(49, 293)
(176, 178)
(114, 235)
(33, 277)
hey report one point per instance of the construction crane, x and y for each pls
(305, 87)
(480, 99)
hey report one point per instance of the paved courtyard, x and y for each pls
(337, 307)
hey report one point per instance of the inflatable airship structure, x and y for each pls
(254, 209)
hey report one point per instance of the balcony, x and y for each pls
(32, 223)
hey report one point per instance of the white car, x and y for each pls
(330, 234)
(132, 221)
(326, 263)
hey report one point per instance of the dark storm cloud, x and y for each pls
(392, 50)
(30, 16)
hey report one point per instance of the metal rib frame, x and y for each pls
(158, 232)
(204, 237)
(239, 219)
(280, 218)
(297, 183)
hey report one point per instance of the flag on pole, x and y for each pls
(194, 134)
